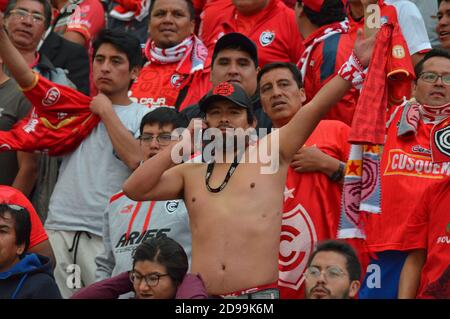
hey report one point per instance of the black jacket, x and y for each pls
(69, 56)
(30, 278)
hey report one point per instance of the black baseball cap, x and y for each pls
(236, 39)
(226, 91)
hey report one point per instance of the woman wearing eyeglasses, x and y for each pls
(160, 265)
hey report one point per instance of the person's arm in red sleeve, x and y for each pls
(15, 62)
(110, 288)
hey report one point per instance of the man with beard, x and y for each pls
(333, 272)
(235, 215)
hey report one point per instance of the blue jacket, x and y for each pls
(30, 278)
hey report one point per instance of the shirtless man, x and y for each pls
(236, 230)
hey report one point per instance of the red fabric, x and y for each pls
(389, 79)
(429, 229)
(88, 19)
(406, 171)
(12, 196)
(3, 4)
(311, 209)
(154, 87)
(273, 29)
(315, 74)
(314, 5)
(58, 123)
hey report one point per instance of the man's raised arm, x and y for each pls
(14, 61)
(156, 178)
(294, 134)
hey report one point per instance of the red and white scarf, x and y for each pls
(317, 37)
(439, 116)
(190, 54)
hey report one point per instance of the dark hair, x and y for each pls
(237, 47)
(164, 116)
(430, 54)
(296, 75)
(167, 252)
(330, 12)
(353, 265)
(440, 1)
(22, 223)
(189, 3)
(47, 10)
(124, 42)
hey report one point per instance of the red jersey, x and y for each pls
(12, 196)
(311, 209)
(406, 171)
(59, 121)
(429, 228)
(273, 29)
(324, 62)
(157, 86)
(86, 18)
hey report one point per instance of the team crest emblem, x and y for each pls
(171, 206)
(175, 80)
(224, 89)
(298, 237)
(442, 140)
(266, 38)
(398, 52)
(51, 97)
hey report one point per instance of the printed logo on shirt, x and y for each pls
(420, 149)
(176, 80)
(136, 237)
(51, 97)
(127, 209)
(446, 238)
(31, 125)
(297, 240)
(442, 140)
(171, 206)
(402, 163)
(266, 38)
(398, 52)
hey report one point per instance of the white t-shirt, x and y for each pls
(89, 176)
(412, 25)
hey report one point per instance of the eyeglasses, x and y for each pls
(432, 77)
(330, 273)
(162, 139)
(152, 280)
(22, 14)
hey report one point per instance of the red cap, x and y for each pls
(314, 5)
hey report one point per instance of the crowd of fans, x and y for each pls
(349, 98)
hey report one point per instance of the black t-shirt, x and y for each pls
(13, 107)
